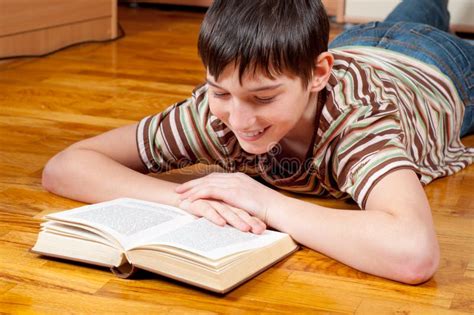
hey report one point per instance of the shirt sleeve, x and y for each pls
(368, 150)
(180, 136)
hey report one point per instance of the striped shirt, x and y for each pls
(381, 111)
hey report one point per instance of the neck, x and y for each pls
(306, 125)
(298, 141)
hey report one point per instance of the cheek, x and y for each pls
(288, 114)
(218, 110)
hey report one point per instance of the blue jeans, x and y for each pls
(419, 29)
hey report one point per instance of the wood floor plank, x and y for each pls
(27, 298)
(270, 298)
(20, 222)
(463, 302)
(381, 307)
(20, 266)
(455, 226)
(310, 261)
(464, 294)
(469, 270)
(427, 293)
(5, 286)
(19, 239)
(3, 231)
(37, 100)
(174, 294)
(287, 295)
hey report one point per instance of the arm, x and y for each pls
(108, 166)
(394, 239)
(105, 167)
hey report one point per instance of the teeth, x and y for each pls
(252, 134)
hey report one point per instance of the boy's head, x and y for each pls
(266, 60)
(266, 36)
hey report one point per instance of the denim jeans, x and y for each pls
(419, 29)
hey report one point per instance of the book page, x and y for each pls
(122, 218)
(212, 241)
(75, 232)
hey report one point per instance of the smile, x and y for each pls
(252, 135)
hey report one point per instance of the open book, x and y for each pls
(125, 234)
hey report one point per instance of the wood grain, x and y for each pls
(47, 104)
(25, 16)
(41, 26)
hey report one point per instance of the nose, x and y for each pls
(242, 116)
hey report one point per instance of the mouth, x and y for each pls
(252, 135)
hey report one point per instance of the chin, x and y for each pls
(252, 149)
(261, 149)
(256, 152)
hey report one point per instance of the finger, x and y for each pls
(257, 225)
(190, 192)
(207, 191)
(203, 209)
(186, 193)
(199, 181)
(231, 217)
(188, 185)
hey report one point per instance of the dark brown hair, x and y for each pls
(272, 36)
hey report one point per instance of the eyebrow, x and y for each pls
(262, 88)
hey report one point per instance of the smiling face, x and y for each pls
(260, 111)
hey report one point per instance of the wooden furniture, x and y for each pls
(37, 27)
(49, 103)
(361, 11)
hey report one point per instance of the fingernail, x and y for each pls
(246, 227)
(261, 228)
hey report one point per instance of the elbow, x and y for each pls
(54, 172)
(419, 266)
(420, 269)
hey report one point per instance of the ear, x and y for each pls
(322, 71)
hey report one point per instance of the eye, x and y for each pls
(220, 95)
(265, 99)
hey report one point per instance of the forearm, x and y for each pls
(371, 241)
(89, 176)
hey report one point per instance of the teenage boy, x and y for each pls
(372, 119)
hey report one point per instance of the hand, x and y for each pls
(220, 213)
(235, 189)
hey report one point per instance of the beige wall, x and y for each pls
(462, 12)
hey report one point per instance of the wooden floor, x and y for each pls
(47, 104)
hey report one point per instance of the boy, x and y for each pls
(359, 122)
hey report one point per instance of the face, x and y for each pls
(261, 111)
